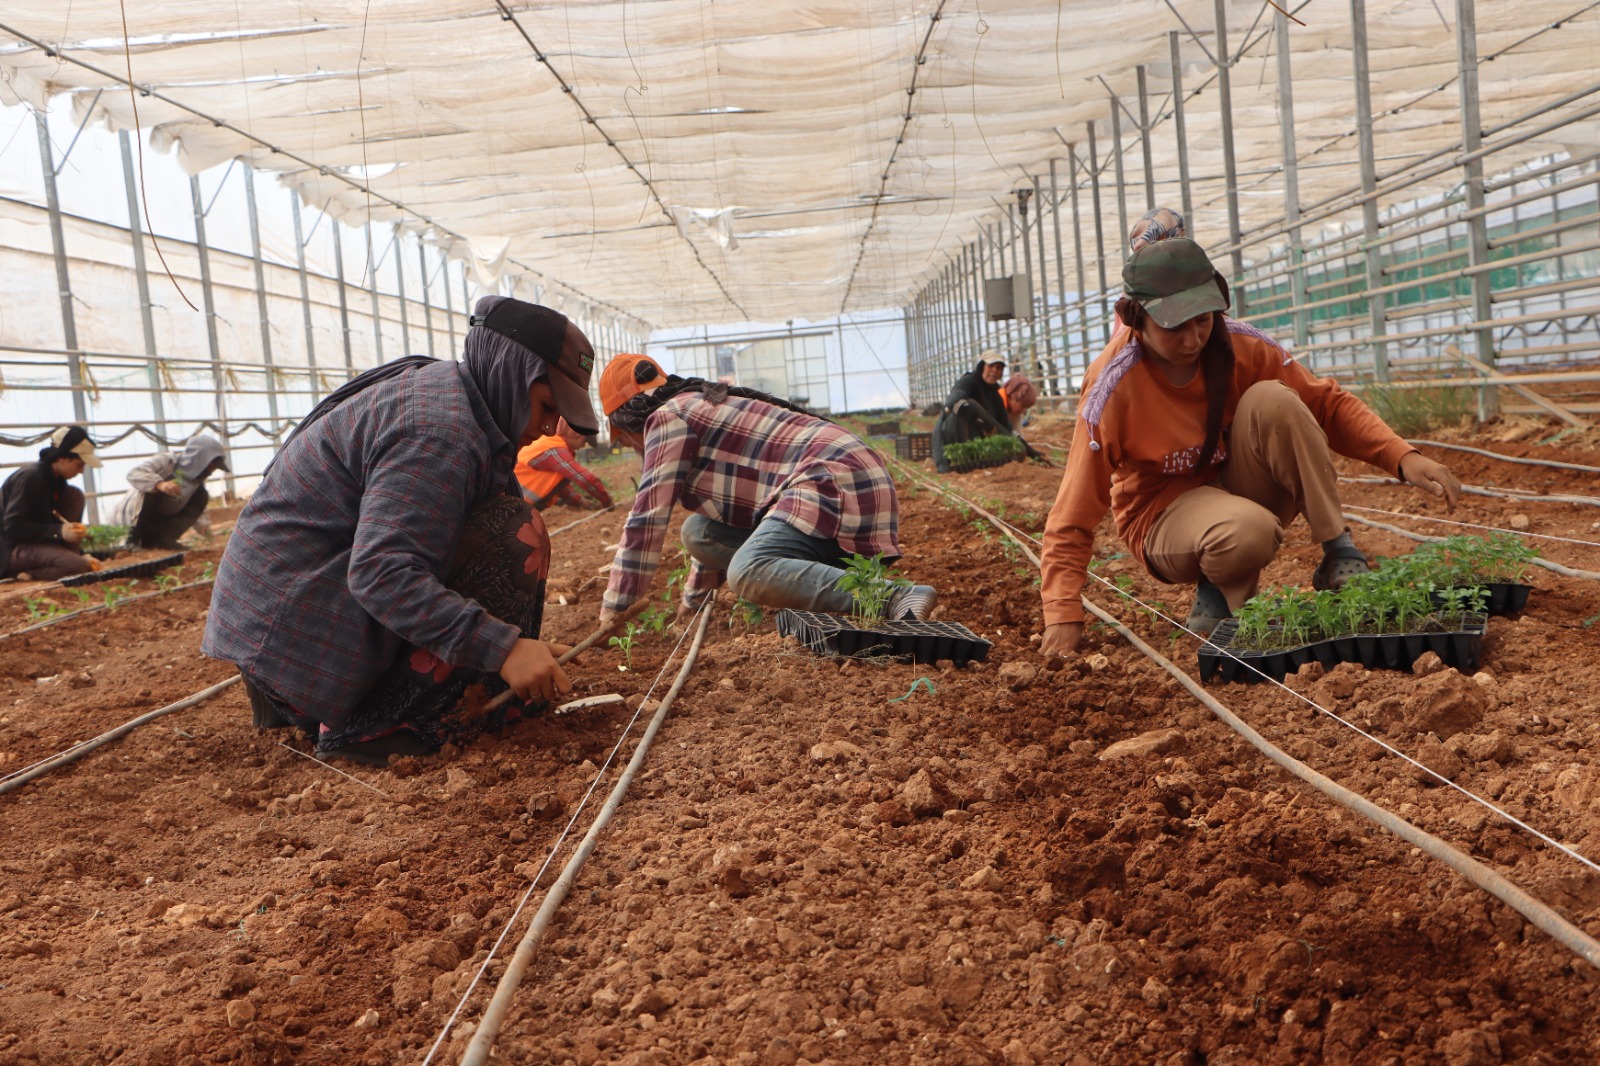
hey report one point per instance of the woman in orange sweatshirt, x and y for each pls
(1204, 438)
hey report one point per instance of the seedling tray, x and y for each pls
(923, 642)
(108, 552)
(1504, 597)
(883, 429)
(913, 447)
(1458, 647)
(981, 464)
(121, 573)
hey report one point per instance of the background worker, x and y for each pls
(548, 471)
(388, 561)
(1205, 438)
(780, 497)
(41, 528)
(167, 496)
(976, 407)
(1019, 394)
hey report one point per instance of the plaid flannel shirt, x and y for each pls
(337, 561)
(742, 461)
(575, 476)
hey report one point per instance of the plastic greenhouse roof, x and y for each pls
(685, 162)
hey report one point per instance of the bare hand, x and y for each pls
(1431, 477)
(73, 532)
(532, 672)
(1061, 639)
(168, 488)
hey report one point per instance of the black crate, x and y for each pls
(913, 447)
(121, 573)
(883, 429)
(923, 642)
(1459, 647)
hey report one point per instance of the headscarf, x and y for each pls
(195, 463)
(1157, 225)
(503, 371)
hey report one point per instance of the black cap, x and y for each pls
(543, 331)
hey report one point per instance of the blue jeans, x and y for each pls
(773, 565)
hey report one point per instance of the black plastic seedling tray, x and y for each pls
(982, 464)
(108, 553)
(923, 642)
(120, 573)
(883, 429)
(913, 447)
(1504, 598)
(1458, 647)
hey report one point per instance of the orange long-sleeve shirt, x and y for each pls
(1140, 456)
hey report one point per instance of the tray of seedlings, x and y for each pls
(983, 452)
(867, 634)
(147, 568)
(1386, 619)
(103, 542)
(1497, 564)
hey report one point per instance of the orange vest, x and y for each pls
(538, 483)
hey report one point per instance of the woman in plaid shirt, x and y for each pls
(780, 497)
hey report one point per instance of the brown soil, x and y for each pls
(813, 868)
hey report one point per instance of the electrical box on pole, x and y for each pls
(1008, 298)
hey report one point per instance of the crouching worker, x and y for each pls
(167, 494)
(780, 497)
(41, 527)
(388, 561)
(1205, 439)
(549, 472)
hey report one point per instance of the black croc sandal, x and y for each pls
(1337, 567)
(1210, 609)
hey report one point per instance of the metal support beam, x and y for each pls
(141, 273)
(1230, 169)
(1077, 251)
(427, 308)
(253, 215)
(1144, 140)
(209, 302)
(344, 301)
(1099, 235)
(449, 309)
(1291, 181)
(1378, 325)
(1180, 129)
(305, 296)
(1122, 181)
(372, 289)
(1041, 331)
(1028, 313)
(1063, 377)
(1472, 180)
(400, 281)
(69, 319)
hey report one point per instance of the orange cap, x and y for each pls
(625, 377)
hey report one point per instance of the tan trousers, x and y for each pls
(1278, 466)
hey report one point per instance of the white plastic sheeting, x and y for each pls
(734, 167)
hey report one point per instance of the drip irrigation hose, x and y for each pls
(494, 1015)
(585, 518)
(1475, 525)
(1555, 568)
(1479, 490)
(78, 751)
(1541, 915)
(80, 612)
(1553, 464)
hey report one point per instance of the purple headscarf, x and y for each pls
(1157, 225)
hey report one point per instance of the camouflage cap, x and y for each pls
(1173, 281)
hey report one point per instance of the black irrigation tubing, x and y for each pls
(140, 427)
(104, 607)
(79, 750)
(1553, 464)
(1490, 881)
(585, 518)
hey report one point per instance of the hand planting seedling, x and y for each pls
(624, 644)
(871, 584)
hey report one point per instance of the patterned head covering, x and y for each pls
(1156, 225)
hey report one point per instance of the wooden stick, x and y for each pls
(1538, 400)
(582, 646)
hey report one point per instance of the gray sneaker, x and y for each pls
(913, 603)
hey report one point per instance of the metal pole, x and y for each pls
(158, 403)
(1122, 184)
(372, 288)
(1042, 330)
(254, 218)
(305, 296)
(1077, 246)
(1378, 325)
(1291, 181)
(1144, 140)
(427, 308)
(1230, 170)
(1099, 236)
(449, 308)
(1063, 374)
(69, 321)
(1472, 179)
(400, 281)
(344, 303)
(208, 300)
(1178, 125)
(1032, 329)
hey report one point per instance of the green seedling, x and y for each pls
(115, 594)
(871, 584)
(41, 609)
(83, 597)
(999, 448)
(104, 538)
(167, 582)
(624, 644)
(675, 578)
(655, 620)
(208, 572)
(746, 612)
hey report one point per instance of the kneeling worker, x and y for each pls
(167, 495)
(780, 497)
(549, 472)
(41, 526)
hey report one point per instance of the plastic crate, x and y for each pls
(883, 429)
(923, 642)
(913, 447)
